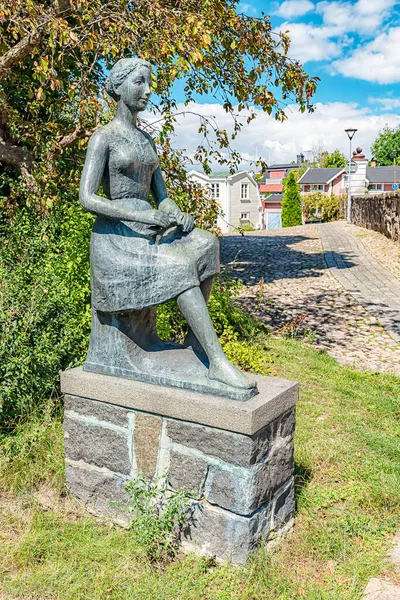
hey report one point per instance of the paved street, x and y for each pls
(321, 282)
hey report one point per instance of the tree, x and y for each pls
(387, 142)
(291, 203)
(55, 55)
(333, 159)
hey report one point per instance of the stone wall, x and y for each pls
(243, 483)
(380, 213)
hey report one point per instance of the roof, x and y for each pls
(273, 198)
(382, 174)
(279, 167)
(319, 176)
(221, 174)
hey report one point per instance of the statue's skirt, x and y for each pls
(132, 269)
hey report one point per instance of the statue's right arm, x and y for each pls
(92, 175)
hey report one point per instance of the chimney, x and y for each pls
(300, 159)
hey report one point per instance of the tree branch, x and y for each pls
(18, 52)
(14, 155)
(24, 47)
(21, 159)
(68, 140)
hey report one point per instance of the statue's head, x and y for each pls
(130, 81)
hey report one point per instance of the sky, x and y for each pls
(354, 47)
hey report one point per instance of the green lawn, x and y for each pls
(348, 502)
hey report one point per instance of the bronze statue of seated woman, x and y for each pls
(141, 257)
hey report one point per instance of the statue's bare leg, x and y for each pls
(191, 340)
(194, 308)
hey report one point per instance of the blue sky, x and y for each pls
(354, 47)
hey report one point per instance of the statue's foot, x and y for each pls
(222, 370)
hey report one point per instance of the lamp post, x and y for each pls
(350, 135)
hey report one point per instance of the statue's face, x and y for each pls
(136, 89)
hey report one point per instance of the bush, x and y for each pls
(319, 205)
(44, 304)
(159, 514)
(291, 203)
(246, 226)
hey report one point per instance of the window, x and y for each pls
(245, 216)
(244, 191)
(376, 187)
(214, 188)
(317, 188)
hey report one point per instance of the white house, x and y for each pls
(237, 195)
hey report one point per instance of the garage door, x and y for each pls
(274, 220)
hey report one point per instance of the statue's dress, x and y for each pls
(131, 268)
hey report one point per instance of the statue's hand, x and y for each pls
(158, 218)
(186, 221)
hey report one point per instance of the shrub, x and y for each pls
(159, 514)
(319, 205)
(246, 226)
(44, 304)
(291, 203)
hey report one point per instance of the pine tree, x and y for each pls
(291, 203)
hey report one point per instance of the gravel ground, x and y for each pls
(288, 285)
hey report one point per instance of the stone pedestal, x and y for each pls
(236, 456)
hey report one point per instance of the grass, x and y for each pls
(348, 506)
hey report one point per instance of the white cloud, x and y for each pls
(311, 43)
(246, 8)
(281, 142)
(295, 8)
(387, 103)
(377, 61)
(339, 20)
(364, 17)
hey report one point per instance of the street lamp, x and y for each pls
(350, 135)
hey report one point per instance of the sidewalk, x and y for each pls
(363, 276)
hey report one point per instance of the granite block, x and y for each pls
(103, 492)
(99, 410)
(287, 423)
(213, 531)
(284, 507)
(146, 437)
(88, 483)
(234, 448)
(187, 472)
(96, 445)
(242, 490)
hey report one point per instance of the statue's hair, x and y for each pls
(120, 71)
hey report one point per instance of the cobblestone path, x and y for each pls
(288, 284)
(352, 265)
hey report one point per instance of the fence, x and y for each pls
(380, 213)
